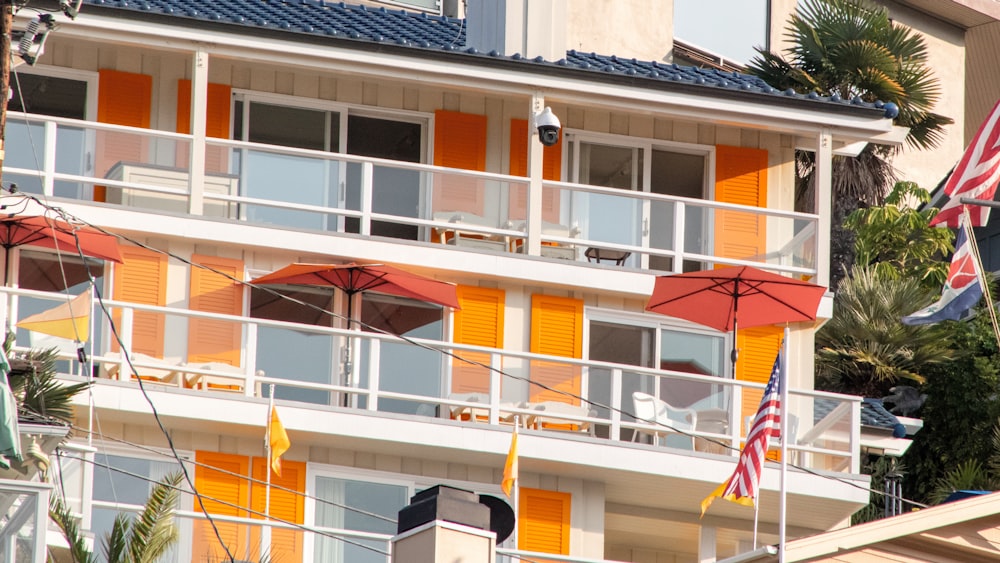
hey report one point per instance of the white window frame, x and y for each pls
(89, 77)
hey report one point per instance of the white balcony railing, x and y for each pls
(339, 193)
(415, 377)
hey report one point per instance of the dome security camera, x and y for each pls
(548, 127)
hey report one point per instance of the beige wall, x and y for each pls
(982, 75)
(641, 29)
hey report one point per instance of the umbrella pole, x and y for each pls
(734, 353)
(348, 361)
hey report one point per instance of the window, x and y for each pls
(327, 183)
(125, 482)
(622, 164)
(649, 343)
(314, 360)
(58, 93)
(356, 505)
(403, 368)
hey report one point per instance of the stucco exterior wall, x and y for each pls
(641, 29)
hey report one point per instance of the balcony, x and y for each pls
(339, 194)
(379, 374)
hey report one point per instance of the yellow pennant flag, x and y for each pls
(277, 441)
(510, 467)
(69, 320)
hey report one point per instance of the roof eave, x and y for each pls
(850, 122)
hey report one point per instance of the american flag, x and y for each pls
(743, 484)
(976, 175)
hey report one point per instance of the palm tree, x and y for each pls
(850, 49)
(142, 539)
(37, 389)
(865, 349)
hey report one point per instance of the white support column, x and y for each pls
(534, 223)
(706, 544)
(824, 205)
(199, 113)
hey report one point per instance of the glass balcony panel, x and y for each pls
(828, 428)
(24, 144)
(25, 183)
(311, 362)
(395, 191)
(604, 217)
(661, 233)
(71, 150)
(295, 179)
(708, 401)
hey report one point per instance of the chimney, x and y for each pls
(530, 27)
(444, 525)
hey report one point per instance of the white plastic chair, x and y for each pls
(668, 419)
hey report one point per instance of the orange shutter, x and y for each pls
(287, 506)
(142, 279)
(217, 122)
(226, 494)
(459, 142)
(556, 330)
(210, 340)
(551, 170)
(758, 347)
(479, 323)
(740, 177)
(123, 98)
(543, 522)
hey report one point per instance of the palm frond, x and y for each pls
(63, 518)
(153, 531)
(115, 542)
(968, 475)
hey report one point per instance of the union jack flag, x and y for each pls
(743, 484)
(976, 175)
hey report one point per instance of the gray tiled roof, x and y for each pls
(422, 34)
(873, 414)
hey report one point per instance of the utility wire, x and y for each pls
(449, 353)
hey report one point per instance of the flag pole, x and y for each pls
(980, 272)
(756, 512)
(517, 478)
(265, 535)
(782, 488)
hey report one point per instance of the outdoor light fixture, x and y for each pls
(31, 41)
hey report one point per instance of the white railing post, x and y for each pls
(616, 404)
(49, 158)
(735, 416)
(199, 115)
(374, 354)
(496, 362)
(533, 219)
(250, 360)
(855, 443)
(678, 237)
(367, 190)
(125, 334)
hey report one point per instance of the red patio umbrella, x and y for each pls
(354, 278)
(38, 230)
(736, 296)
